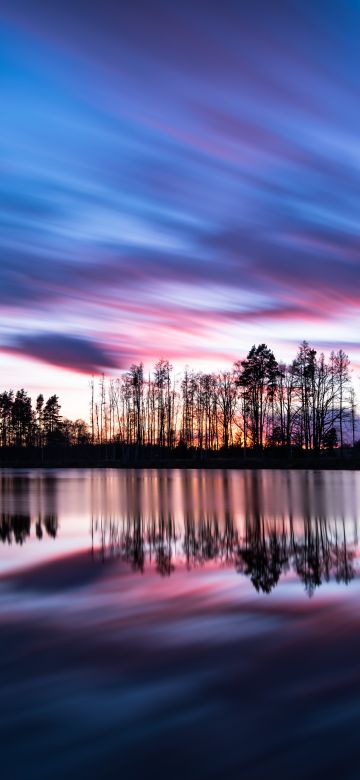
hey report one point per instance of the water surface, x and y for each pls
(179, 622)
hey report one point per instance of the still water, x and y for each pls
(179, 623)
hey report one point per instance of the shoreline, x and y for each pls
(105, 459)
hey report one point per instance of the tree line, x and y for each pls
(260, 403)
(22, 425)
(309, 403)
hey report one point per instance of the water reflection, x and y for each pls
(16, 528)
(263, 524)
(25, 504)
(316, 555)
(102, 668)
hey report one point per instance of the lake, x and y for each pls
(179, 623)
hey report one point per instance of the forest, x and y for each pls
(260, 404)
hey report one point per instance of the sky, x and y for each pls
(178, 180)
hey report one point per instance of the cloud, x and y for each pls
(70, 352)
(179, 175)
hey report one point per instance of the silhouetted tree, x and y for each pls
(52, 419)
(22, 419)
(6, 405)
(258, 377)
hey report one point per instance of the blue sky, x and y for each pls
(178, 180)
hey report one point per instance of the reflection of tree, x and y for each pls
(16, 527)
(51, 525)
(264, 553)
(206, 540)
(268, 549)
(311, 559)
(38, 528)
(133, 544)
(320, 555)
(161, 537)
(315, 557)
(343, 560)
(18, 493)
(262, 559)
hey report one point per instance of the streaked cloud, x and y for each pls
(64, 351)
(179, 180)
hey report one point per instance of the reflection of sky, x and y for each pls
(99, 507)
(185, 176)
(102, 674)
(104, 670)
